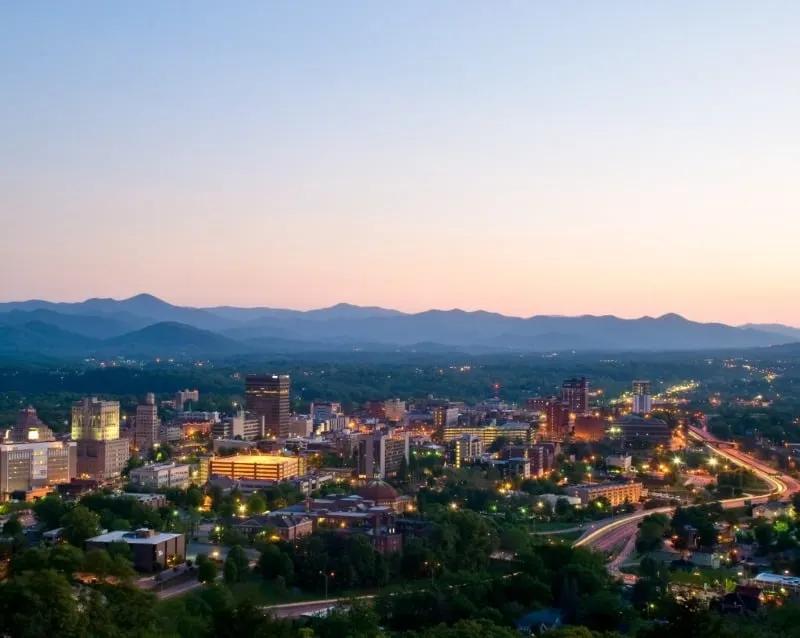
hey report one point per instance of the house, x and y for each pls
(287, 528)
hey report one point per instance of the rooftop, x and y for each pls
(260, 459)
(133, 539)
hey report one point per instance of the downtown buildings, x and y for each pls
(102, 454)
(147, 426)
(267, 396)
(32, 461)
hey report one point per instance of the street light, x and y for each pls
(325, 576)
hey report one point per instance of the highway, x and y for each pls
(614, 532)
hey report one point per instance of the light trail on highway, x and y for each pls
(781, 485)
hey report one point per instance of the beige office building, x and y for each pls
(102, 454)
(34, 465)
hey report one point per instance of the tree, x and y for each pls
(80, 524)
(66, 558)
(50, 510)
(273, 563)
(98, 562)
(764, 534)
(206, 569)
(651, 532)
(256, 504)
(12, 527)
(230, 572)
(236, 565)
(39, 604)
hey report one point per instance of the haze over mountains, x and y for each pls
(146, 326)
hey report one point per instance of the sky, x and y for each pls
(624, 158)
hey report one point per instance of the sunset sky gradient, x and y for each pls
(627, 158)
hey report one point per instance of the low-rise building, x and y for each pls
(266, 467)
(637, 431)
(615, 493)
(152, 551)
(162, 475)
(288, 528)
(245, 425)
(514, 431)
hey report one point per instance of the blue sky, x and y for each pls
(524, 157)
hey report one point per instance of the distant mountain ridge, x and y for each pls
(147, 326)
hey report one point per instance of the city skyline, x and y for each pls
(532, 159)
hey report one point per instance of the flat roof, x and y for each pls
(260, 459)
(131, 538)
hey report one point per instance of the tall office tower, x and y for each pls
(575, 393)
(147, 423)
(642, 400)
(267, 395)
(95, 426)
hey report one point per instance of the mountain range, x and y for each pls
(145, 326)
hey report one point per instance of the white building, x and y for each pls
(160, 475)
(642, 400)
(244, 425)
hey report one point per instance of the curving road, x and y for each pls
(608, 535)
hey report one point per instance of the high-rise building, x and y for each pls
(147, 423)
(468, 447)
(95, 427)
(642, 400)
(381, 455)
(444, 416)
(95, 420)
(33, 465)
(268, 396)
(575, 393)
